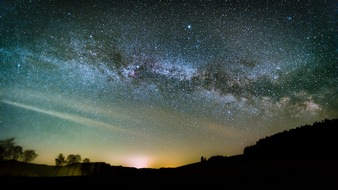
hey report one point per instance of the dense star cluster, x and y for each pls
(161, 83)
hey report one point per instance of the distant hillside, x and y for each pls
(306, 155)
(317, 139)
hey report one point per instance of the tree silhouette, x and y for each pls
(6, 147)
(28, 156)
(72, 160)
(10, 151)
(17, 152)
(86, 160)
(85, 166)
(319, 138)
(59, 161)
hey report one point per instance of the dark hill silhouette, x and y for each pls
(305, 156)
(317, 139)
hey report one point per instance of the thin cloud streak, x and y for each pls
(70, 103)
(69, 117)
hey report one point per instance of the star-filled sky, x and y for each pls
(162, 83)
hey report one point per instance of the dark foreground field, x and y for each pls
(236, 172)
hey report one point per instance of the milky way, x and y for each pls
(162, 83)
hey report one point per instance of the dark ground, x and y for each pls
(314, 173)
(304, 158)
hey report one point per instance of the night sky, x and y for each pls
(162, 83)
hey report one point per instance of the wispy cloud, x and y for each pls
(69, 117)
(70, 103)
